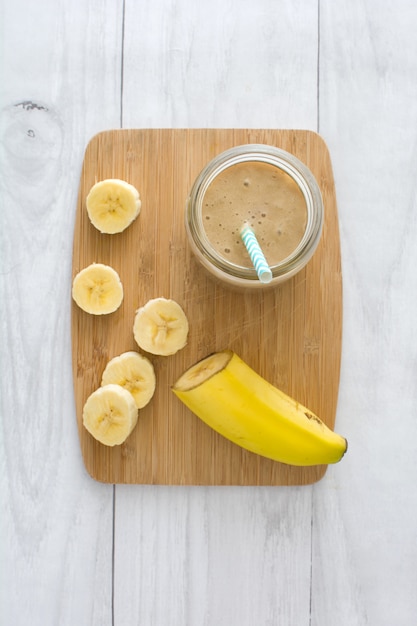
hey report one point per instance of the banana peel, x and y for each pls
(230, 397)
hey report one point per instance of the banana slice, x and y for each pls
(97, 289)
(110, 414)
(135, 373)
(112, 205)
(161, 327)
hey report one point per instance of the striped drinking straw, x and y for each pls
(256, 255)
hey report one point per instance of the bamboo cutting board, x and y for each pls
(290, 335)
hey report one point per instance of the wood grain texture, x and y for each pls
(290, 335)
(369, 62)
(343, 550)
(220, 64)
(213, 555)
(56, 523)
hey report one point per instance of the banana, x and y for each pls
(224, 392)
(112, 205)
(97, 289)
(161, 327)
(110, 414)
(135, 373)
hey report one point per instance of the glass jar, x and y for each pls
(267, 188)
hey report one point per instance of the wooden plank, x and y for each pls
(218, 64)
(364, 515)
(57, 524)
(208, 555)
(291, 335)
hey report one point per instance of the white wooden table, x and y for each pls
(343, 551)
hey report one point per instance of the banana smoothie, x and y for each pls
(269, 190)
(265, 197)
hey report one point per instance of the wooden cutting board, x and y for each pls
(290, 335)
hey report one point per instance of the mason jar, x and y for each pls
(267, 189)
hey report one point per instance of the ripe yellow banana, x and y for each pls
(134, 372)
(110, 414)
(112, 205)
(97, 289)
(161, 327)
(234, 400)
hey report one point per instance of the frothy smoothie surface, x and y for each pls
(265, 197)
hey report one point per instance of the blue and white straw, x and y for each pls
(256, 255)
